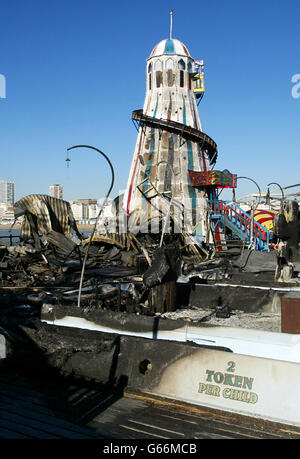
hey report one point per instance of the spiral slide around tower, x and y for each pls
(186, 132)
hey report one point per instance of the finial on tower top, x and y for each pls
(171, 23)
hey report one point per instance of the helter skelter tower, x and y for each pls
(170, 143)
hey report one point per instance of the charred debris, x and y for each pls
(54, 263)
(132, 273)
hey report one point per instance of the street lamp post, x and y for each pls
(252, 211)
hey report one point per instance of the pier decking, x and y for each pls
(38, 408)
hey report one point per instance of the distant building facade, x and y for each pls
(7, 192)
(56, 191)
(85, 211)
(7, 216)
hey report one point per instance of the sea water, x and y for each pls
(6, 232)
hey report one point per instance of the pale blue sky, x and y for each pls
(75, 71)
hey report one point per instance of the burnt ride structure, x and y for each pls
(172, 186)
(170, 142)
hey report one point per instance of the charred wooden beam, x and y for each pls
(161, 278)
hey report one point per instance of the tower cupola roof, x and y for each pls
(170, 46)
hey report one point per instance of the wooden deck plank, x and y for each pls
(45, 418)
(223, 424)
(11, 435)
(188, 424)
(31, 411)
(33, 408)
(9, 400)
(13, 423)
(42, 425)
(59, 404)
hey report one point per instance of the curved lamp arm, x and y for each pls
(103, 204)
(274, 183)
(252, 245)
(248, 178)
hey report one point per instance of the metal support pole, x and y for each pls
(252, 244)
(103, 204)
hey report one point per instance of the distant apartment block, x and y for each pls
(56, 191)
(7, 192)
(85, 210)
(7, 216)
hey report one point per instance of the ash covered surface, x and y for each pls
(255, 320)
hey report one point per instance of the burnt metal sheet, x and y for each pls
(43, 213)
(116, 320)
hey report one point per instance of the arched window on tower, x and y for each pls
(158, 73)
(190, 74)
(170, 72)
(181, 67)
(150, 75)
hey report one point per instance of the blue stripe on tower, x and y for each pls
(155, 110)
